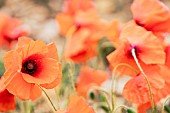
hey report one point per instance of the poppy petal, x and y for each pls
(154, 17)
(22, 89)
(150, 49)
(136, 89)
(56, 81)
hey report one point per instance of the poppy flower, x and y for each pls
(35, 64)
(148, 49)
(7, 100)
(113, 33)
(89, 77)
(154, 17)
(82, 29)
(77, 104)
(10, 30)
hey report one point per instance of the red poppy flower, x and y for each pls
(35, 64)
(7, 100)
(77, 104)
(148, 49)
(89, 77)
(154, 17)
(10, 30)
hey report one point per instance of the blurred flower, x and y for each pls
(35, 64)
(10, 30)
(154, 16)
(148, 49)
(77, 104)
(113, 33)
(7, 100)
(88, 78)
(82, 28)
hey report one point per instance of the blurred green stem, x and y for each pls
(113, 78)
(164, 104)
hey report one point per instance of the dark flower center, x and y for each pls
(129, 52)
(29, 67)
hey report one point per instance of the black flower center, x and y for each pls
(29, 67)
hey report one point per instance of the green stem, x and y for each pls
(99, 89)
(113, 77)
(164, 104)
(121, 106)
(58, 98)
(48, 98)
(72, 69)
(145, 76)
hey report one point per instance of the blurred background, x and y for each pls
(38, 16)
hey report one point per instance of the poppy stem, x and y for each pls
(47, 97)
(58, 97)
(145, 76)
(113, 78)
(164, 104)
(121, 106)
(72, 69)
(105, 92)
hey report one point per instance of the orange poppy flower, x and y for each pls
(113, 33)
(7, 100)
(10, 30)
(154, 17)
(77, 104)
(78, 50)
(148, 49)
(89, 77)
(31, 68)
(83, 29)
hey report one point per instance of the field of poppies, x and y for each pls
(82, 61)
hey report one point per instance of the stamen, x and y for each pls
(30, 67)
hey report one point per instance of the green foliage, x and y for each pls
(130, 111)
(105, 47)
(167, 109)
(2, 69)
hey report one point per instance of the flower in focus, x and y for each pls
(35, 64)
(148, 49)
(77, 104)
(7, 100)
(154, 17)
(10, 30)
(88, 78)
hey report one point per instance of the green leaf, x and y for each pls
(105, 47)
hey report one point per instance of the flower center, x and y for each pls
(29, 67)
(129, 52)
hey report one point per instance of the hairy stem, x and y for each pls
(48, 98)
(113, 77)
(145, 76)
